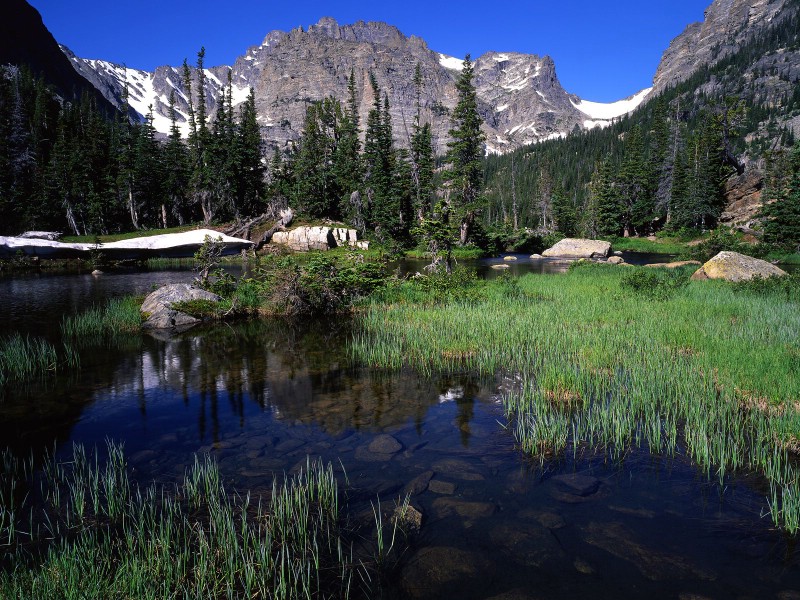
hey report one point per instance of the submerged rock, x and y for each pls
(732, 266)
(579, 248)
(580, 485)
(446, 572)
(157, 307)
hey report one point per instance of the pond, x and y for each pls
(262, 396)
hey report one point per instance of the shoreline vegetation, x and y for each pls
(81, 527)
(600, 360)
(605, 359)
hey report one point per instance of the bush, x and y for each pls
(321, 284)
(655, 284)
(722, 239)
(787, 286)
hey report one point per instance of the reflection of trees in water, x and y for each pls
(299, 371)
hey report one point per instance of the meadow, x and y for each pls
(609, 358)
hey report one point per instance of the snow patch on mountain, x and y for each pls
(451, 62)
(606, 111)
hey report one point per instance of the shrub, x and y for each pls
(655, 284)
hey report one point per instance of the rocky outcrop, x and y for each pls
(727, 24)
(53, 236)
(305, 238)
(742, 198)
(579, 248)
(158, 312)
(732, 266)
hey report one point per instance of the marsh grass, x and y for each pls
(708, 370)
(27, 357)
(117, 316)
(83, 529)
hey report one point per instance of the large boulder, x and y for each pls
(579, 248)
(732, 266)
(305, 238)
(157, 307)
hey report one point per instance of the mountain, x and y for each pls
(24, 40)
(520, 96)
(726, 27)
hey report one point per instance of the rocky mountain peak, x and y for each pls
(727, 24)
(520, 97)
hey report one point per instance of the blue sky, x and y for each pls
(603, 51)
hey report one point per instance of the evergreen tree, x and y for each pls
(422, 159)
(176, 176)
(250, 185)
(464, 154)
(347, 159)
(782, 210)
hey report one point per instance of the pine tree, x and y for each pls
(422, 159)
(464, 154)
(347, 159)
(250, 185)
(782, 226)
(176, 176)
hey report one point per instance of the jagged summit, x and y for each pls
(520, 96)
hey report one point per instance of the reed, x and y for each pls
(96, 534)
(709, 368)
(26, 357)
(118, 315)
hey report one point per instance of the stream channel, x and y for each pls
(263, 395)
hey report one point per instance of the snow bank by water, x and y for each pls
(175, 245)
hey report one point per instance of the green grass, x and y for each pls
(24, 358)
(118, 315)
(459, 253)
(704, 368)
(661, 245)
(91, 533)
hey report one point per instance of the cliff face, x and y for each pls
(24, 40)
(520, 97)
(727, 25)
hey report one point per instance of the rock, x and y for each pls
(536, 256)
(457, 469)
(471, 511)
(674, 264)
(498, 267)
(446, 572)
(550, 520)
(305, 238)
(510, 258)
(742, 198)
(157, 307)
(615, 260)
(581, 566)
(525, 543)
(580, 485)
(732, 266)
(617, 253)
(419, 484)
(407, 518)
(385, 444)
(446, 488)
(579, 248)
(97, 272)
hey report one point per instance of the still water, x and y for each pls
(262, 396)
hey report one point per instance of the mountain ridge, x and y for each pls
(520, 96)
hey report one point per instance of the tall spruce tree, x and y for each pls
(464, 154)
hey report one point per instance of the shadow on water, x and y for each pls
(261, 396)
